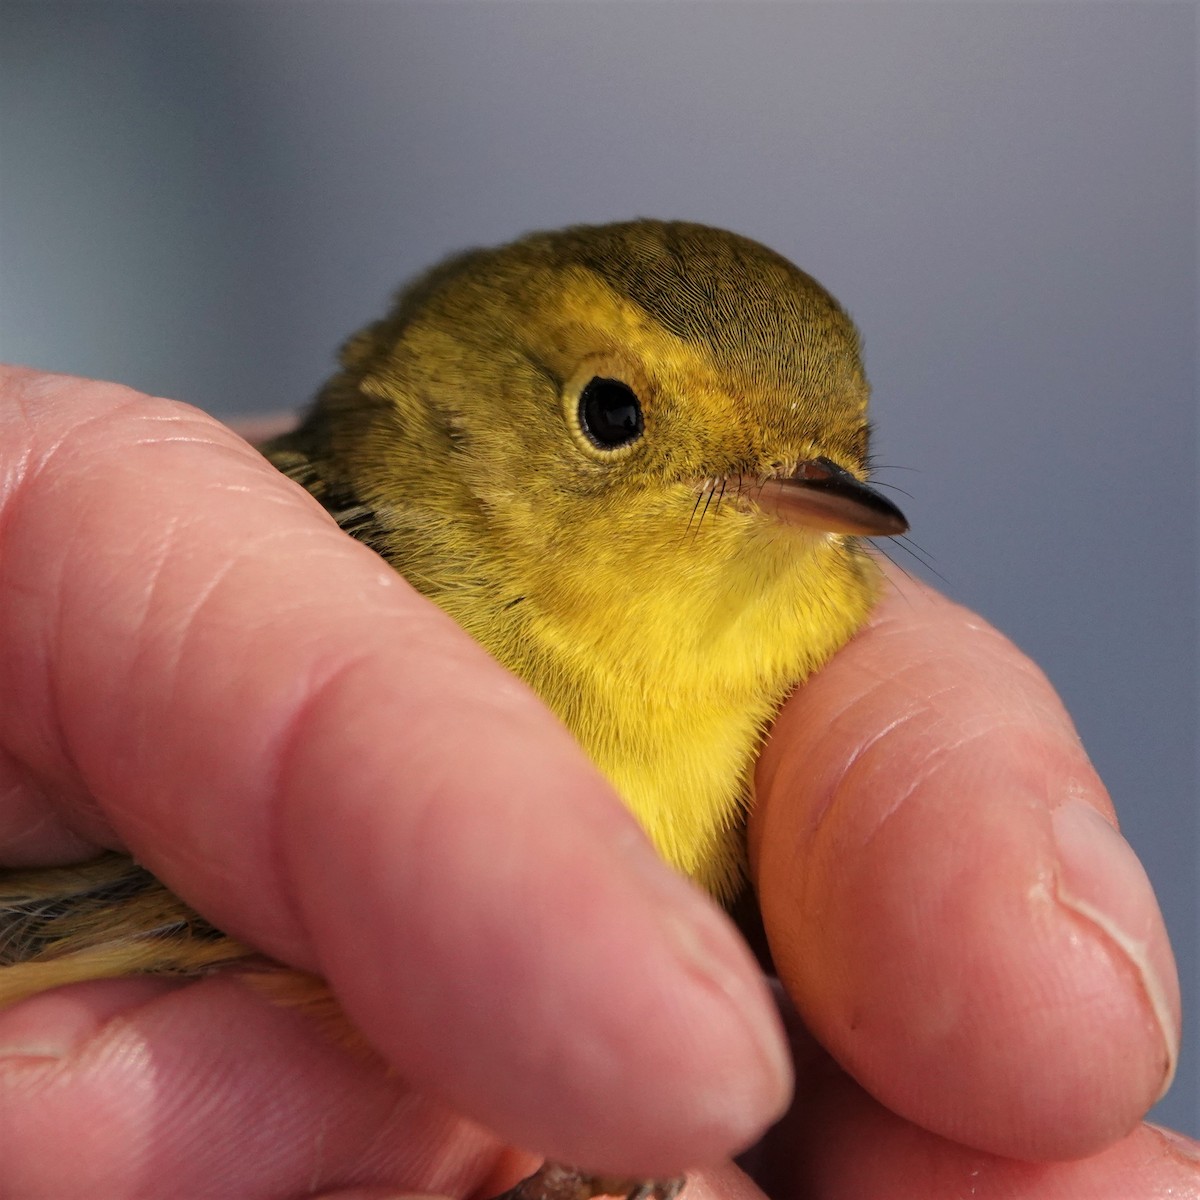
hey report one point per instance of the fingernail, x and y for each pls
(54, 1024)
(1180, 1146)
(713, 954)
(47, 1027)
(1101, 880)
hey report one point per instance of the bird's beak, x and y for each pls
(821, 495)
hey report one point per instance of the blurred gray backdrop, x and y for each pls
(202, 198)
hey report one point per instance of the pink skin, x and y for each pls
(949, 902)
(213, 676)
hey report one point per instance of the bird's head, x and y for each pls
(594, 404)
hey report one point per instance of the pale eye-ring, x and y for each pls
(610, 413)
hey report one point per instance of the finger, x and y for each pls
(326, 766)
(124, 1089)
(723, 1182)
(947, 898)
(840, 1144)
(140, 1088)
(260, 428)
(372, 1193)
(32, 829)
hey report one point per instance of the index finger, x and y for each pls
(323, 764)
(947, 896)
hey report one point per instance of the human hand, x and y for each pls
(958, 921)
(214, 677)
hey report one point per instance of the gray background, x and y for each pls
(202, 199)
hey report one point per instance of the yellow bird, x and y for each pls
(630, 460)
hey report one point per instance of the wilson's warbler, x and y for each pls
(629, 460)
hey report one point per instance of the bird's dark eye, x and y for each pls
(610, 413)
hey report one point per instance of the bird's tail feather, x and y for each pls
(110, 918)
(99, 920)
